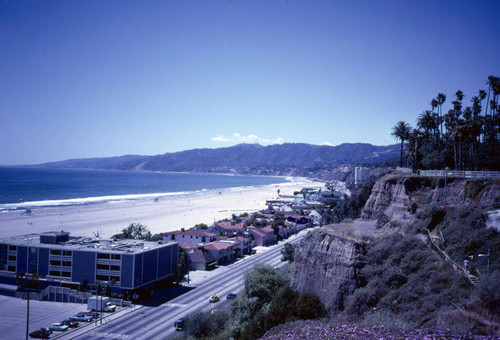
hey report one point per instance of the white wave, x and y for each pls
(87, 200)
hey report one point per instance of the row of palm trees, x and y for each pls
(465, 138)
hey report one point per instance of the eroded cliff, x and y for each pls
(326, 264)
(396, 199)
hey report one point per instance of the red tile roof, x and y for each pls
(220, 245)
(229, 225)
(187, 246)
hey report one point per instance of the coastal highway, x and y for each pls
(158, 322)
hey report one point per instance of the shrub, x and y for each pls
(206, 324)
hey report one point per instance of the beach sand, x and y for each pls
(169, 213)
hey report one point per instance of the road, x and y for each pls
(158, 322)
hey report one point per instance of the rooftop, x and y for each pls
(82, 243)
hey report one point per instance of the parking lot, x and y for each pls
(42, 314)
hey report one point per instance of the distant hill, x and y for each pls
(278, 159)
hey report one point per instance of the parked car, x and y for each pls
(231, 296)
(91, 313)
(180, 324)
(58, 327)
(42, 333)
(213, 298)
(71, 324)
(84, 318)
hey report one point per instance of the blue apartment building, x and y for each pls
(123, 265)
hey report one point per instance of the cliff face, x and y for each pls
(396, 199)
(326, 265)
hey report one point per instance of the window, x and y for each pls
(115, 267)
(102, 256)
(55, 252)
(66, 263)
(55, 273)
(115, 278)
(12, 257)
(116, 256)
(173, 238)
(67, 253)
(3, 246)
(102, 277)
(203, 239)
(55, 263)
(66, 274)
(12, 247)
(3, 267)
(12, 268)
(103, 266)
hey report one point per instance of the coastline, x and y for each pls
(167, 214)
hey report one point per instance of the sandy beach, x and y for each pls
(169, 213)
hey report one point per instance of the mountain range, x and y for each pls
(277, 159)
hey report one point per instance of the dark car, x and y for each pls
(231, 296)
(180, 324)
(42, 333)
(71, 324)
(93, 314)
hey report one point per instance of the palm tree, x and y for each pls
(401, 131)
(429, 122)
(441, 98)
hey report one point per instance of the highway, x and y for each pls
(158, 322)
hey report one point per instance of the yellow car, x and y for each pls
(213, 298)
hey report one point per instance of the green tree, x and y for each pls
(401, 131)
(135, 231)
(288, 252)
(182, 264)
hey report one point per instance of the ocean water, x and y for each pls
(24, 188)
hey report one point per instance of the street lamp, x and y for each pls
(488, 256)
(445, 180)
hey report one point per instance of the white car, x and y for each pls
(58, 327)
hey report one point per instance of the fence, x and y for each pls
(460, 173)
(57, 294)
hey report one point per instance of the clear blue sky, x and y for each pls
(107, 78)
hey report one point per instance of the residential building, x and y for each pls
(262, 236)
(228, 228)
(192, 237)
(225, 250)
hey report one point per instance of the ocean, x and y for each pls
(26, 188)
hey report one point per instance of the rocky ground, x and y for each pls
(315, 329)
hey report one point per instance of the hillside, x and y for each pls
(279, 159)
(403, 268)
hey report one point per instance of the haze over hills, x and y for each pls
(277, 159)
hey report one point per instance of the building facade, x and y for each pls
(123, 265)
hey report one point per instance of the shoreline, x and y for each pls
(166, 214)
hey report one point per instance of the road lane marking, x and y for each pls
(108, 335)
(179, 305)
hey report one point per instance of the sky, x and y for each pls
(81, 79)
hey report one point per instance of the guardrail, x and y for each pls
(460, 173)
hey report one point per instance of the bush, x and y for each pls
(487, 292)
(206, 324)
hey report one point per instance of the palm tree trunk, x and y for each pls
(401, 157)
